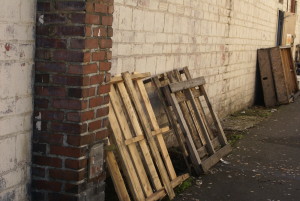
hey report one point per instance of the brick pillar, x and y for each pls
(73, 41)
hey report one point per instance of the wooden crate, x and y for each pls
(145, 161)
(182, 96)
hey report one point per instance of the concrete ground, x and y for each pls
(264, 165)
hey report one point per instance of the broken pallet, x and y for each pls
(183, 105)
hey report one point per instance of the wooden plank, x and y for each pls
(195, 159)
(266, 77)
(132, 177)
(172, 121)
(134, 139)
(214, 159)
(138, 131)
(279, 76)
(117, 178)
(134, 76)
(202, 126)
(116, 105)
(161, 142)
(221, 134)
(161, 131)
(187, 84)
(162, 193)
(147, 129)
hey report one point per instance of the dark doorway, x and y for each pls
(280, 27)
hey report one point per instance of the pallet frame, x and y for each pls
(145, 161)
(183, 99)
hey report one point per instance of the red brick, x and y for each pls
(50, 91)
(67, 175)
(91, 43)
(97, 101)
(89, 7)
(98, 56)
(88, 31)
(62, 196)
(43, 6)
(47, 185)
(83, 69)
(100, 135)
(69, 104)
(47, 161)
(41, 103)
(101, 8)
(110, 31)
(87, 57)
(107, 77)
(82, 93)
(104, 89)
(68, 56)
(70, 30)
(80, 116)
(80, 140)
(78, 18)
(77, 43)
(76, 164)
(51, 138)
(51, 43)
(52, 115)
(105, 66)
(70, 5)
(92, 19)
(95, 125)
(105, 43)
(111, 9)
(50, 67)
(70, 80)
(54, 18)
(107, 20)
(102, 112)
(100, 31)
(108, 55)
(68, 127)
(68, 151)
(97, 79)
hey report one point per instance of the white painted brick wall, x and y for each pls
(17, 19)
(157, 36)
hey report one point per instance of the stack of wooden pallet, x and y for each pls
(278, 75)
(141, 162)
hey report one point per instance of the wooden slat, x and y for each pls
(132, 177)
(134, 76)
(115, 102)
(161, 142)
(203, 128)
(147, 129)
(117, 178)
(179, 86)
(160, 194)
(279, 76)
(221, 134)
(134, 139)
(266, 77)
(195, 159)
(214, 159)
(161, 131)
(138, 131)
(172, 120)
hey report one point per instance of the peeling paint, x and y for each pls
(41, 19)
(38, 124)
(99, 33)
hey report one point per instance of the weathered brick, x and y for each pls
(47, 161)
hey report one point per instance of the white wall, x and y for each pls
(217, 39)
(17, 19)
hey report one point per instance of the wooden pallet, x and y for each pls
(182, 96)
(278, 76)
(145, 161)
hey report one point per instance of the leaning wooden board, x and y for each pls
(182, 97)
(266, 77)
(145, 164)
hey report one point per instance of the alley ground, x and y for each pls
(264, 165)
